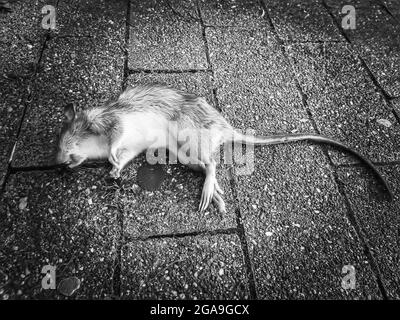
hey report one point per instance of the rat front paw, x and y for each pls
(114, 173)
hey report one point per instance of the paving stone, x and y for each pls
(101, 18)
(81, 70)
(344, 102)
(396, 106)
(203, 267)
(165, 35)
(393, 6)
(377, 40)
(22, 35)
(369, 16)
(379, 220)
(12, 104)
(254, 83)
(298, 235)
(233, 13)
(21, 42)
(83, 63)
(302, 20)
(24, 21)
(67, 220)
(199, 83)
(174, 207)
(360, 4)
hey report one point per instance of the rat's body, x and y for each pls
(155, 117)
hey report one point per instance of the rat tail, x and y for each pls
(237, 137)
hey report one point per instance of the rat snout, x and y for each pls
(70, 160)
(62, 158)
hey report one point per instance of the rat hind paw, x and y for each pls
(219, 203)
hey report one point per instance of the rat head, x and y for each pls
(70, 149)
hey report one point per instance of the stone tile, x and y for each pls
(203, 267)
(379, 220)
(103, 18)
(358, 4)
(393, 6)
(12, 104)
(166, 35)
(69, 220)
(254, 83)
(396, 105)
(344, 102)
(377, 40)
(298, 234)
(23, 23)
(81, 70)
(82, 63)
(21, 42)
(246, 14)
(174, 207)
(200, 83)
(302, 20)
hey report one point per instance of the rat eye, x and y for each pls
(74, 158)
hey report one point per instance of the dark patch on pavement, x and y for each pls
(150, 177)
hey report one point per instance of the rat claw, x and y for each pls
(201, 205)
(218, 188)
(219, 202)
(113, 159)
(206, 195)
(115, 173)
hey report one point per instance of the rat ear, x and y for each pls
(69, 112)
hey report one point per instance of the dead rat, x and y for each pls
(154, 116)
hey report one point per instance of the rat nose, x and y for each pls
(61, 158)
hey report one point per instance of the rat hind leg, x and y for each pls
(216, 197)
(115, 142)
(209, 185)
(211, 189)
(219, 202)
